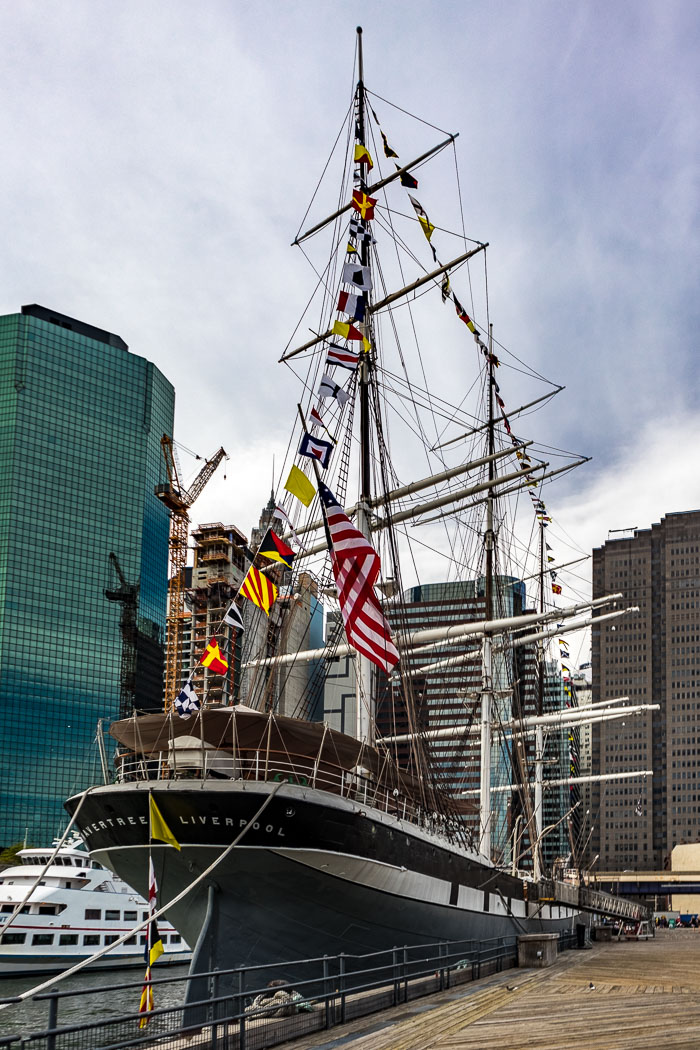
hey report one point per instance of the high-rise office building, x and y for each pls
(81, 419)
(448, 696)
(652, 657)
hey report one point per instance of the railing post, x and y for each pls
(214, 1011)
(326, 994)
(395, 974)
(341, 985)
(241, 1011)
(441, 971)
(405, 974)
(53, 1022)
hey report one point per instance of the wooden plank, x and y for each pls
(634, 995)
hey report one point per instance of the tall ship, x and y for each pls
(389, 786)
(60, 906)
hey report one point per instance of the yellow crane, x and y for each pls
(178, 501)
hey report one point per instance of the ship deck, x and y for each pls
(627, 995)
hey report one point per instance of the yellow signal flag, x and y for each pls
(299, 485)
(158, 828)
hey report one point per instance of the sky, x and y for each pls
(159, 159)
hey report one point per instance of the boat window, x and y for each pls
(110, 938)
(143, 939)
(7, 909)
(130, 916)
(42, 938)
(67, 884)
(175, 938)
(68, 938)
(130, 940)
(91, 938)
(144, 915)
(48, 909)
(13, 938)
(110, 914)
(58, 860)
(93, 913)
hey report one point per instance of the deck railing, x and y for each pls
(236, 1009)
(274, 766)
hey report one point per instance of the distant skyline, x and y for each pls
(159, 160)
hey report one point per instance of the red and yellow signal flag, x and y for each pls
(362, 156)
(276, 549)
(364, 204)
(214, 659)
(259, 590)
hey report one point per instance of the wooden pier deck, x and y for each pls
(628, 995)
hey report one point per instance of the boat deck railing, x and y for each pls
(299, 770)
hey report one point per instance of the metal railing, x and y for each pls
(273, 766)
(260, 1006)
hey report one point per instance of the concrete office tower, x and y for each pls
(294, 623)
(81, 420)
(653, 656)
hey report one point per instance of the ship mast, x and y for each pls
(539, 733)
(487, 646)
(364, 692)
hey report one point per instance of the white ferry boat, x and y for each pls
(78, 907)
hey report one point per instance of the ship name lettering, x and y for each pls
(182, 819)
(103, 825)
(131, 820)
(215, 820)
(269, 828)
(229, 822)
(202, 820)
(121, 822)
(110, 822)
(142, 819)
(280, 832)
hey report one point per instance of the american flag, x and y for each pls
(356, 568)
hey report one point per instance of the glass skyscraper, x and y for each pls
(81, 421)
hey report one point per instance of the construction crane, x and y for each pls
(128, 595)
(178, 501)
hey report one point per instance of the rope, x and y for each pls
(161, 911)
(41, 874)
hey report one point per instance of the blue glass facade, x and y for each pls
(81, 420)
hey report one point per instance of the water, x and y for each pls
(32, 1016)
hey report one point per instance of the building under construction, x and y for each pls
(220, 565)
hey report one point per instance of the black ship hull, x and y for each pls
(315, 875)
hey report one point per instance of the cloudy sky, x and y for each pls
(159, 157)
